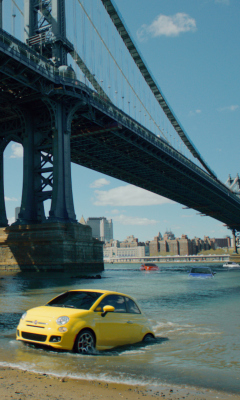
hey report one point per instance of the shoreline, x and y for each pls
(22, 384)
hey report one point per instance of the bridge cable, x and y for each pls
(117, 19)
(19, 9)
(125, 77)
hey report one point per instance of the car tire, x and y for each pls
(148, 337)
(85, 342)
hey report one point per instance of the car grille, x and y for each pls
(35, 323)
(34, 336)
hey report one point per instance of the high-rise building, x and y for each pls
(17, 211)
(102, 229)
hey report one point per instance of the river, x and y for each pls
(196, 323)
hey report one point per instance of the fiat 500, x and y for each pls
(81, 320)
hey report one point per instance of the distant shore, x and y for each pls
(167, 262)
(21, 384)
(199, 258)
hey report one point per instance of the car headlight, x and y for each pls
(62, 320)
(24, 315)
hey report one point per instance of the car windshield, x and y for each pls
(75, 299)
(200, 271)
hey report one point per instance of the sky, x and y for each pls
(192, 50)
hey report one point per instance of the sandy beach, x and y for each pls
(20, 385)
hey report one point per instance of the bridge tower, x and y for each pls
(45, 29)
(0, 14)
(37, 241)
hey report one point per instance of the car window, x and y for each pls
(114, 300)
(75, 299)
(132, 307)
(201, 271)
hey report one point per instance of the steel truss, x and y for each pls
(60, 120)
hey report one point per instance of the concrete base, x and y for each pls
(235, 258)
(50, 247)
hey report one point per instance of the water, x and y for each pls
(196, 322)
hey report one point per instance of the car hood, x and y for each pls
(55, 312)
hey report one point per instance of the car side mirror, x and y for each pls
(107, 309)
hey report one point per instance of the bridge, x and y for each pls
(62, 114)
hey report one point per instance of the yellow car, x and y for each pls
(82, 320)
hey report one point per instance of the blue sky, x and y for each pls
(192, 49)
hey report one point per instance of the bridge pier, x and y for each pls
(62, 208)
(58, 241)
(234, 242)
(3, 216)
(50, 247)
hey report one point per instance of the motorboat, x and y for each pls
(201, 272)
(231, 265)
(149, 267)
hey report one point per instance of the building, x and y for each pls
(17, 211)
(102, 229)
(222, 242)
(184, 246)
(130, 247)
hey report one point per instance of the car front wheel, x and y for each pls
(85, 342)
(148, 337)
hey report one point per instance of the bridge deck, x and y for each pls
(105, 139)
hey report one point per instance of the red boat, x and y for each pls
(149, 267)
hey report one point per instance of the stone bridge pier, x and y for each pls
(36, 241)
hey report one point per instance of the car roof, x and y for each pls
(98, 291)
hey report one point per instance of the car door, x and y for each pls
(134, 321)
(113, 328)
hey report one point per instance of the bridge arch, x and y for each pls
(12, 127)
(11, 189)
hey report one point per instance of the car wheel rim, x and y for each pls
(85, 343)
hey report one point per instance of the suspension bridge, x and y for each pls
(75, 88)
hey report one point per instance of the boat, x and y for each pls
(149, 267)
(231, 265)
(201, 272)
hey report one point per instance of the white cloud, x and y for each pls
(229, 108)
(115, 212)
(195, 112)
(99, 183)
(125, 220)
(128, 195)
(17, 150)
(165, 25)
(10, 199)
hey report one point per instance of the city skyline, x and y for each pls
(194, 60)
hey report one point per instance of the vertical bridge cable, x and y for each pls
(13, 18)
(138, 59)
(120, 69)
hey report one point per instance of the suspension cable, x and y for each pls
(138, 59)
(19, 9)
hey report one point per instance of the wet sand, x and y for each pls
(20, 385)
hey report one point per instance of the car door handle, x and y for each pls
(129, 322)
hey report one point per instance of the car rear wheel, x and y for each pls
(148, 337)
(85, 342)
